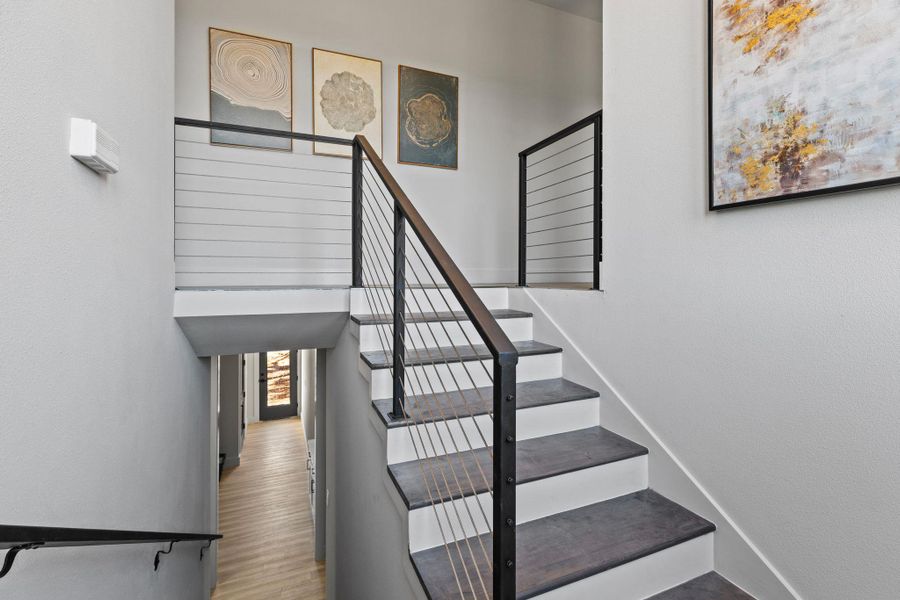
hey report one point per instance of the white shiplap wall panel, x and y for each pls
(260, 172)
(246, 217)
(261, 249)
(192, 231)
(278, 205)
(260, 218)
(241, 264)
(259, 188)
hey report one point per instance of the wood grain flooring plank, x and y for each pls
(264, 514)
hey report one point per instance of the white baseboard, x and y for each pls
(681, 485)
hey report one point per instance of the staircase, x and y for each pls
(588, 524)
(506, 482)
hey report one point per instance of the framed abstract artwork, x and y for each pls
(250, 84)
(428, 121)
(346, 100)
(804, 98)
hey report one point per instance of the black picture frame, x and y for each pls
(830, 191)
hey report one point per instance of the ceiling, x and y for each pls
(592, 9)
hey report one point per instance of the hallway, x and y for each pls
(264, 514)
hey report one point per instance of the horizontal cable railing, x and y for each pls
(247, 215)
(239, 212)
(18, 538)
(561, 207)
(408, 278)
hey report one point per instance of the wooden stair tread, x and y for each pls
(437, 317)
(563, 548)
(429, 407)
(711, 586)
(536, 458)
(379, 359)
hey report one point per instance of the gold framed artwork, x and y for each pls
(250, 83)
(428, 118)
(347, 100)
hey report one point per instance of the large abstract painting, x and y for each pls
(346, 100)
(428, 122)
(804, 98)
(249, 84)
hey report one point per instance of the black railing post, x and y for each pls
(356, 214)
(505, 477)
(598, 197)
(523, 208)
(399, 310)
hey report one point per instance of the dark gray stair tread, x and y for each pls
(380, 359)
(432, 317)
(711, 586)
(570, 546)
(536, 458)
(529, 394)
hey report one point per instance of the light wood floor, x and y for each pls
(264, 514)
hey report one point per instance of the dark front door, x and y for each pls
(277, 384)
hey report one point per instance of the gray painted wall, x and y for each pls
(307, 387)
(365, 543)
(230, 431)
(525, 71)
(761, 344)
(106, 408)
(321, 407)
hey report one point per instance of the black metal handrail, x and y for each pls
(505, 356)
(594, 120)
(503, 352)
(17, 538)
(305, 137)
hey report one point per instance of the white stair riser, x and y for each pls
(646, 576)
(443, 334)
(457, 519)
(438, 378)
(422, 300)
(458, 435)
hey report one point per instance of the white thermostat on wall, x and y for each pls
(93, 147)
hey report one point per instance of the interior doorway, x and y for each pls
(277, 384)
(267, 495)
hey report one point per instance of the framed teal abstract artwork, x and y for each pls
(428, 123)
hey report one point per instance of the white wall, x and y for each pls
(87, 280)
(525, 71)
(230, 431)
(365, 547)
(307, 388)
(761, 344)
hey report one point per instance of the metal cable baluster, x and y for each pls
(434, 477)
(440, 379)
(456, 350)
(502, 350)
(456, 448)
(443, 444)
(420, 460)
(488, 521)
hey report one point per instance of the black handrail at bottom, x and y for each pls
(17, 538)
